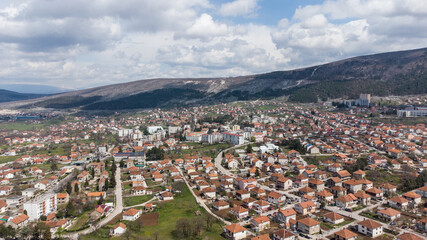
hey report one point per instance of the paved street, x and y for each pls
(117, 210)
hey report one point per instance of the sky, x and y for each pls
(77, 44)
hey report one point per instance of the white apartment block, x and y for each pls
(42, 205)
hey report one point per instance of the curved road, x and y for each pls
(117, 210)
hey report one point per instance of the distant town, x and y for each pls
(258, 170)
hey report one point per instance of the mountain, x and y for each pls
(9, 96)
(393, 73)
(33, 88)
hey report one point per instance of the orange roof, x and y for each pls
(389, 212)
(409, 236)
(411, 195)
(61, 195)
(131, 212)
(261, 219)
(19, 219)
(122, 225)
(235, 228)
(333, 216)
(95, 194)
(261, 237)
(308, 222)
(346, 234)
(288, 212)
(307, 204)
(370, 224)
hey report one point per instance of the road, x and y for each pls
(218, 160)
(201, 202)
(141, 204)
(117, 210)
(359, 218)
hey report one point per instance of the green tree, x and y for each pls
(54, 166)
(249, 149)
(59, 232)
(68, 188)
(70, 210)
(122, 163)
(76, 188)
(47, 235)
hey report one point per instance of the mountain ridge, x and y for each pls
(397, 73)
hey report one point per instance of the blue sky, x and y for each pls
(78, 43)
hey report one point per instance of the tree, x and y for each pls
(43, 217)
(59, 232)
(122, 163)
(210, 220)
(24, 232)
(106, 184)
(113, 182)
(87, 183)
(257, 172)
(155, 154)
(54, 166)
(249, 149)
(92, 172)
(183, 228)
(47, 235)
(70, 210)
(76, 188)
(69, 189)
(101, 199)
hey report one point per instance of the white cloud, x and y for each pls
(239, 7)
(338, 29)
(82, 43)
(204, 28)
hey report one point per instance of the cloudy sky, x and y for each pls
(79, 43)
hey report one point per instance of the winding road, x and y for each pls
(117, 210)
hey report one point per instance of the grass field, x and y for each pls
(5, 159)
(21, 126)
(183, 206)
(131, 201)
(80, 222)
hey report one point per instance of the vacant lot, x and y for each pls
(150, 219)
(135, 200)
(183, 206)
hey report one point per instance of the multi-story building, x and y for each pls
(42, 205)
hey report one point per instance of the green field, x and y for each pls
(131, 201)
(6, 159)
(20, 126)
(183, 206)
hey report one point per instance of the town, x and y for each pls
(244, 170)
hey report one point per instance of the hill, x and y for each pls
(9, 96)
(393, 73)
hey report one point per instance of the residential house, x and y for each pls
(118, 229)
(19, 221)
(370, 228)
(308, 225)
(346, 201)
(283, 234)
(260, 223)
(234, 232)
(220, 205)
(283, 216)
(388, 214)
(240, 212)
(333, 218)
(399, 202)
(345, 234)
(131, 214)
(305, 208)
